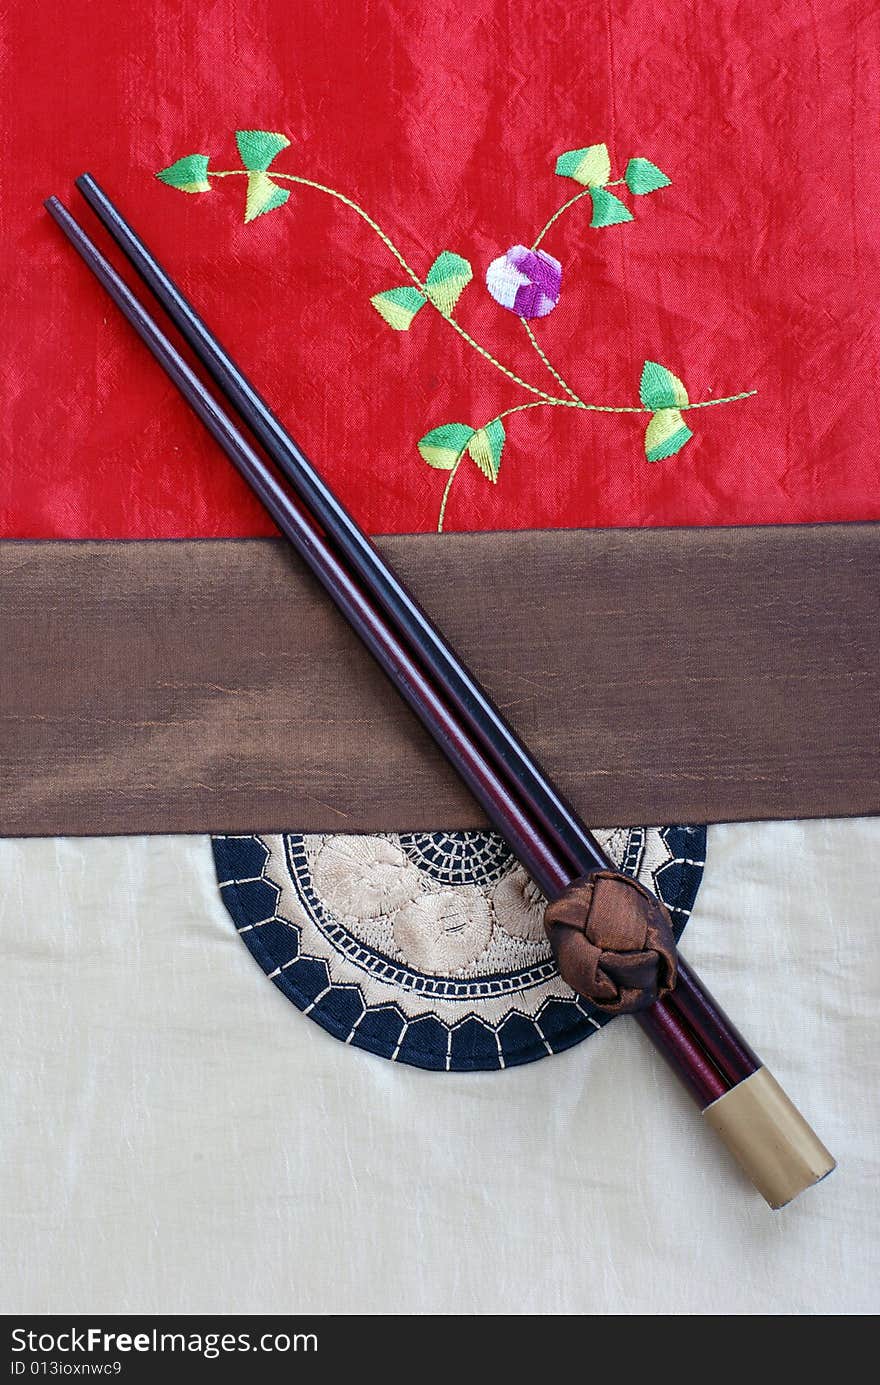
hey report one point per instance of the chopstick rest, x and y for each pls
(613, 942)
(553, 845)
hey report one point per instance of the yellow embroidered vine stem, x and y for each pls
(574, 403)
(619, 408)
(552, 369)
(340, 197)
(707, 403)
(407, 268)
(543, 396)
(448, 487)
(616, 182)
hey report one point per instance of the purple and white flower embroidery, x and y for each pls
(528, 282)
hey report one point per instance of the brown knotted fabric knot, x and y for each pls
(613, 942)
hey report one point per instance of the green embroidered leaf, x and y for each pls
(590, 166)
(665, 435)
(263, 196)
(660, 389)
(259, 147)
(642, 176)
(399, 306)
(189, 174)
(608, 210)
(447, 277)
(485, 449)
(443, 446)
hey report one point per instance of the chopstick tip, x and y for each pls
(62, 217)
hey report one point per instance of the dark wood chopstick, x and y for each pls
(741, 1100)
(539, 857)
(555, 818)
(464, 693)
(307, 538)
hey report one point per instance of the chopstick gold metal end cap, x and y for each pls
(769, 1138)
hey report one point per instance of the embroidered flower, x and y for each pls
(528, 282)
(525, 281)
(445, 931)
(364, 877)
(519, 907)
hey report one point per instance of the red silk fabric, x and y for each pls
(756, 269)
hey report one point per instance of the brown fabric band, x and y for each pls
(613, 942)
(660, 675)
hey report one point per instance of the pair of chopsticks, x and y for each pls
(520, 801)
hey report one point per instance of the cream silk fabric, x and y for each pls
(178, 1138)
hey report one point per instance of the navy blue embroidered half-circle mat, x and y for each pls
(428, 947)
